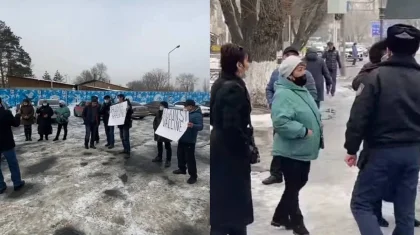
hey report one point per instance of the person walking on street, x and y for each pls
(275, 173)
(231, 209)
(125, 128)
(332, 60)
(162, 140)
(7, 148)
(28, 118)
(392, 138)
(317, 67)
(44, 120)
(354, 53)
(91, 118)
(109, 130)
(297, 140)
(62, 114)
(186, 144)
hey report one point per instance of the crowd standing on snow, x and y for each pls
(389, 162)
(27, 116)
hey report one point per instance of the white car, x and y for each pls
(205, 109)
(349, 54)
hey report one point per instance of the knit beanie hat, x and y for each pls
(288, 65)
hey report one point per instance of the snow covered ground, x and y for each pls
(71, 190)
(325, 199)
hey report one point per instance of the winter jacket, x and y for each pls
(190, 135)
(7, 121)
(269, 90)
(293, 113)
(230, 175)
(386, 110)
(91, 115)
(354, 52)
(332, 59)
(128, 121)
(105, 112)
(28, 114)
(156, 123)
(44, 120)
(63, 114)
(366, 69)
(319, 71)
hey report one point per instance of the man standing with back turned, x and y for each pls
(392, 138)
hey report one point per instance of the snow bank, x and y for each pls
(261, 120)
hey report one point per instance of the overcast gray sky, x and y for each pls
(131, 37)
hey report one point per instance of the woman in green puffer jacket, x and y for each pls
(62, 118)
(297, 140)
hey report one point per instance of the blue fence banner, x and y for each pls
(15, 96)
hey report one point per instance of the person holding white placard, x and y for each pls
(91, 116)
(125, 128)
(160, 139)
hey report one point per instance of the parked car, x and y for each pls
(54, 104)
(153, 107)
(363, 49)
(205, 108)
(78, 109)
(139, 111)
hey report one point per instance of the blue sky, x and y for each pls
(131, 37)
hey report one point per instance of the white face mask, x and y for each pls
(161, 108)
(44, 104)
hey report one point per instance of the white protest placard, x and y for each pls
(173, 125)
(117, 114)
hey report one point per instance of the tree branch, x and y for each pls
(249, 21)
(231, 21)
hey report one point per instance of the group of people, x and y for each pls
(389, 162)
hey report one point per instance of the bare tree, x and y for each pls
(186, 81)
(358, 25)
(97, 72)
(156, 80)
(206, 85)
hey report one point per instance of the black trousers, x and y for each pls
(97, 134)
(377, 209)
(28, 131)
(168, 149)
(64, 127)
(186, 158)
(275, 168)
(227, 231)
(354, 61)
(295, 177)
(91, 130)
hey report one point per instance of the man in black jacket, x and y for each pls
(125, 128)
(392, 137)
(91, 116)
(332, 59)
(7, 148)
(109, 130)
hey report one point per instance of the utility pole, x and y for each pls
(343, 45)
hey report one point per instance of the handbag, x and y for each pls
(253, 149)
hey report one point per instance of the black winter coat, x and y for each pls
(91, 115)
(127, 121)
(156, 123)
(332, 59)
(44, 120)
(7, 121)
(319, 71)
(105, 112)
(230, 175)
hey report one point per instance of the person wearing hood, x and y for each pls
(45, 112)
(186, 144)
(109, 130)
(28, 118)
(319, 71)
(332, 59)
(297, 140)
(91, 116)
(7, 147)
(62, 114)
(125, 128)
(275, 174)
(162, 140)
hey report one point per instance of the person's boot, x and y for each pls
(30, 134)
(272, 180)
(92, 146)
(65, 136)
(167, 164)
(107, 145)
(192, 180)
(86, 144)
(41, 138)
(416, 223)
(300, 229)
(179, 172)
(19, 187)
(26, 135)
(157, 159)
(46, 137)
(383, 223)
(286, 224)
(56, 138)
(111, 146)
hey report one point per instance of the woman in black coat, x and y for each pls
(44, 120)
(162, 140)
(231, 208)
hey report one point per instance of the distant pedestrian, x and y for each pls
(231, 209)
(125, 128)
(97, 137)
(319, 71)
(109, 130)
(389, 123)
(7, 148)
(28, 118)
(91, 116)
(354, 53)
(275, 173)
(44, 114)
(162, 140)
(62, 118)
(333, 62)
(186, 144)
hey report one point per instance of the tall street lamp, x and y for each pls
(382, 7)
(169, 60)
